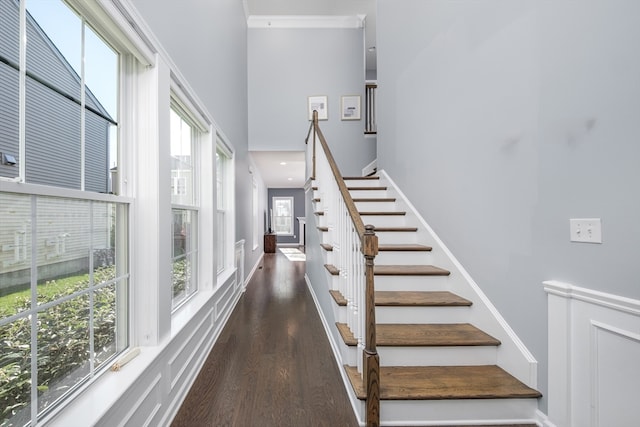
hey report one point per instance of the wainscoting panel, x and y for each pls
(594, 357)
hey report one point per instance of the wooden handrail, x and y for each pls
(369, 248)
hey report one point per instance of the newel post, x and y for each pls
(371, 360)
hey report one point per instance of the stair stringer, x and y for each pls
(512, 354)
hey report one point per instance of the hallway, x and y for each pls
(272, 364)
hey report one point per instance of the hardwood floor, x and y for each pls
(272, 364)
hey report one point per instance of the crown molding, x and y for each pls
(305, 21)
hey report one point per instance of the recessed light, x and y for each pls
(283, 163)
(290, 179)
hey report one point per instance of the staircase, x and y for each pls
(446, 356)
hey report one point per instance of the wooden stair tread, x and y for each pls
(432, 335)
(317, 199)
(338, 298)
(327, 247)
(319, 213)
(383, 213)
(409, 270)
(323, 228)
(374, 199)
(332, 269)
(346, 334)
(420, 299)
(395, 229)
(404, 247)
(366, 188)
(444, 382)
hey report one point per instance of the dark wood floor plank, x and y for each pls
(272, 364)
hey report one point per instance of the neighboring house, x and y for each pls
(53, 93)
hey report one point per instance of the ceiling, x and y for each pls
(273, 173)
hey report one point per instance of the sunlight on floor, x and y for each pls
(294, 254)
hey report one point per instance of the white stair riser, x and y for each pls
(396, 237)
(403, 258)
(349, 354)
(356, 194)
(376, 206)
(340, 313)
(411, 283)
(458, 412)
(385, 220)
(385, 314)
(363, 183)
(437, 356)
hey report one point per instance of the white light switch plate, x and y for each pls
(586, 230)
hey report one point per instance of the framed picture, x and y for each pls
(318, 103)
(350, 107)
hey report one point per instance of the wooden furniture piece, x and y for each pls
(270, 243)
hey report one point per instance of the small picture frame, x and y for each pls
(318, 102)
(350, 107)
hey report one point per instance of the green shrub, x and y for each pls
(63, 341)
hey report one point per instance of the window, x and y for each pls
(184, 253)
(64, 273)
(66, 93)
(282, 212)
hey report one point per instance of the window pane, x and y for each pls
(64, 236)
(220, 158)
(15, 261)
(9, 115)
(63, 349)
(15, 372)
(184, 255)
(182, 191)
(283, 215)
(221, 243)
(109, 337)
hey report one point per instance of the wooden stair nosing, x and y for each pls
(366, 188)
(327, 247)
(409, 270)
(432, 335)
(314, 188)
(404, 248)
(444, 383)
(383, 213)
(374, 199)
(332, 269)
(317, 199)
(346, 334)
(395, 229)
(419, 299)
(319, 213)
(322, 228)
(370, 177)
(338, 298)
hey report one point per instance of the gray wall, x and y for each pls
(288, 65)
(298, 210)
(501, 120)
(208, 43)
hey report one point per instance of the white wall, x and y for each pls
(501, 120)
(288, 65)
(208, 43)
